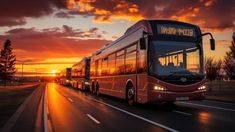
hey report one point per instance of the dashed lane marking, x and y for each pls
(93, 119)
(70, 100)
(180, 112)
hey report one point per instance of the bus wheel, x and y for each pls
(97, 89)
(130, 94)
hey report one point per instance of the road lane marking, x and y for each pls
(92, 118)
(180, 112)
(137, 116)
(208, 106)
(70, 100)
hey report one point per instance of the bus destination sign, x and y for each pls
(176, 30)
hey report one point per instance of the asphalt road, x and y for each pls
(72, 110)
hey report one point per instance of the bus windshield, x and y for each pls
(169, 59)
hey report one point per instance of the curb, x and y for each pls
(11, 122)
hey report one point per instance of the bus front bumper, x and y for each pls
(161, 96)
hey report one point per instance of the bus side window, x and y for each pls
(92, 71)
(111, 64)
(131, 60)
(120, 62)
(104, 67)
(141, 61)
(99, 67)
(96, 68)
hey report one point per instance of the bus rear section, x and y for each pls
(65, 77)
(81, 74)
(154, 61)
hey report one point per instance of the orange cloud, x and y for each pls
(120, 10)
(209, 3)
(208, 14)
(57, 48)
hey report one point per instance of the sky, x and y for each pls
(49, 35)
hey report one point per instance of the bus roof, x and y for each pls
(147, 25)
(83, 59)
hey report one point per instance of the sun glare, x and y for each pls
(54, 72)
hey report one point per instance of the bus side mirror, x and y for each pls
(212, 42)
(142, 43)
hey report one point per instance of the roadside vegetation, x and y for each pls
(222, 69)
(7, 63)
(221, 76)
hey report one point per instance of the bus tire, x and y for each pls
(130, 93)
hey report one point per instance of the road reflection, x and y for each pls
(204, 117)
(55, 103)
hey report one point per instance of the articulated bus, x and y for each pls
(65, 77)
(154, 61)
(81, 74)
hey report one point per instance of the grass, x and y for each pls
(11, 98)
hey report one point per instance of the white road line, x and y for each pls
(92, 118)
(70, 100)
(208, 106)
(45, 111)
(137, 116)
(180, 112)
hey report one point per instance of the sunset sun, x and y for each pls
(54, 73)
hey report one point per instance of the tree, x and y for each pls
(7, 61)
(229, 60)
(212, 68)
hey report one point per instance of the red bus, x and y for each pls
(81, 74)
(154, 61)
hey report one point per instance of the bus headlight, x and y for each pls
(203, 87)
(159, 88)
(87, 83)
